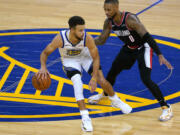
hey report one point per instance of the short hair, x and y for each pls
(112, 1)
(75, 20)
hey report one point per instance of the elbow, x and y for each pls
(101, 42)
(44, 54)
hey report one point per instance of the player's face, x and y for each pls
(79, 32)
(110, 9)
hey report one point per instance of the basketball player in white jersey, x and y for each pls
(78, 51)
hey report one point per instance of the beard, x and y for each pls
(112, 17)
(79, 38)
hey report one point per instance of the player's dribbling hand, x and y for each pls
(92, 85)
(163, 60)
(43, 73)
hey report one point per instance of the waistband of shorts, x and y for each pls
(134, 47)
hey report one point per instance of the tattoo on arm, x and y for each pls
(135, 24)
(100, 40)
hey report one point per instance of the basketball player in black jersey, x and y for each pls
(138, 45)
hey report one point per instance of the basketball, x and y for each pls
(41, 84)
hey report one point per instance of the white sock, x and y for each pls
(101, 95)
(84, 114)
(114, 97)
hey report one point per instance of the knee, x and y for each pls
(76, 78)
(70, 72)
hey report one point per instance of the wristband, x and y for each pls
(94, 79)
(147, 38)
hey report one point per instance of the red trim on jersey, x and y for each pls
(122, 18)
(151, 54)
(126, 21)
(133, 47)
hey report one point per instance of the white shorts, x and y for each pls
(84, 61)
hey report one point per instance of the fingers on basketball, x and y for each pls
(40, 82)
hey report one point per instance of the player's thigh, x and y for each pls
(71, 67)
(145, 57)
(87, 63)
(124, 60)
(72, 62)
(145, 63)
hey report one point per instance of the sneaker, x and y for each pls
(118, 103)
(95, 99)
(167, 114)
(87, 125)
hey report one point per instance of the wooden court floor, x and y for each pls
(163, 19)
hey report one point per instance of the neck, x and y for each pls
(117, 18)
(72, 38)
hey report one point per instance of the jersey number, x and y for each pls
(131, 38)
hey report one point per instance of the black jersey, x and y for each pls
(125, 34)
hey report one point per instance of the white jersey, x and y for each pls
(70, 50)
(75, 56)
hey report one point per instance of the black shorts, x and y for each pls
(127, 57)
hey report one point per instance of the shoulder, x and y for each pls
(62, 33)
(58, 40)
(88, 37)
(130, 18)
(59, 36)
(89, 41)
(133, 21)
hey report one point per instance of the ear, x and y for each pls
(73, 29)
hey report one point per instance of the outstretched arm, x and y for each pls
(134, 23)
(95, 55)
(100, 40)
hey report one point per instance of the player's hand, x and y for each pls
(163, 60)
(43, 73)
(92, 84)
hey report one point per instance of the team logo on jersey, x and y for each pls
(73, 52)
(19, 60)
(122, 32)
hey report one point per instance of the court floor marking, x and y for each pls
(149, 7)
(31, 99)
(92, 33)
